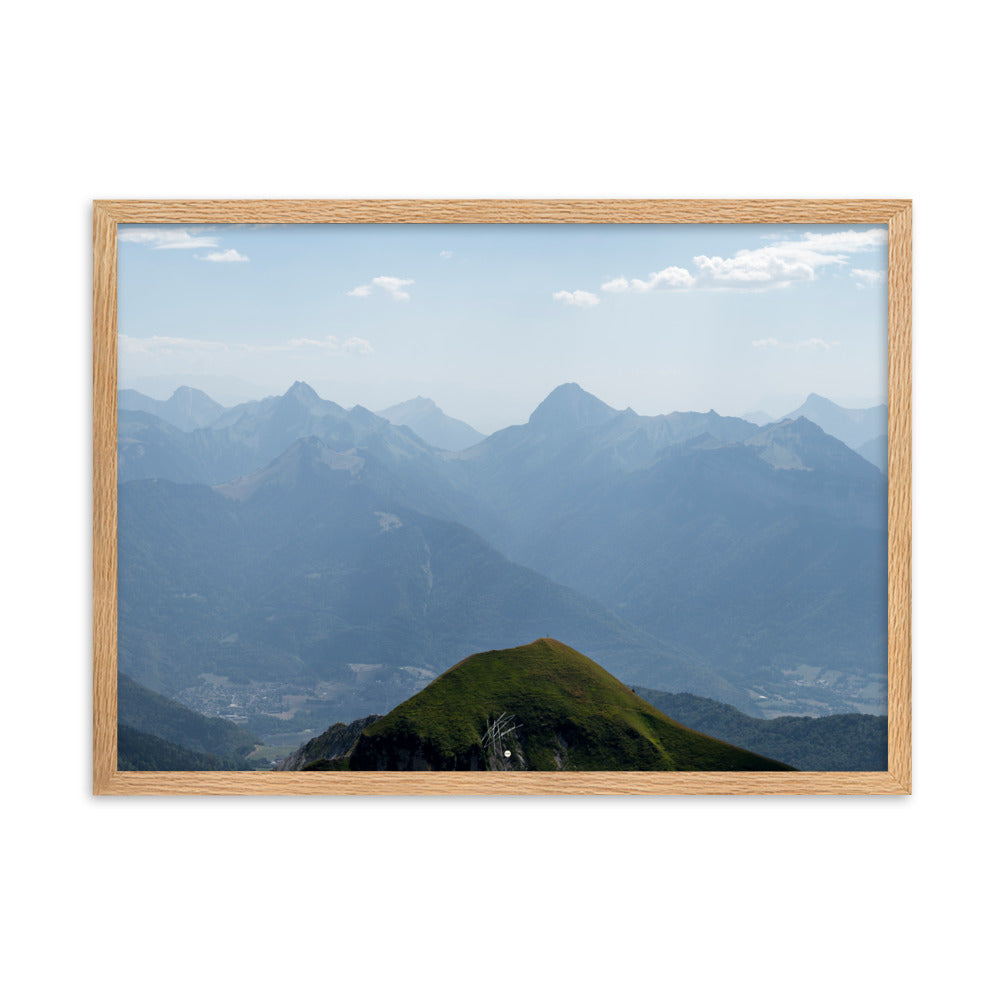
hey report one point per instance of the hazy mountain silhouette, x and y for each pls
(305, 570)
(429, 422)
(758, 549)
(760, 552)
(187, 409)
(877, 452)
(853, 427)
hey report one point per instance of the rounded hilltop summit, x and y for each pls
(539, 707)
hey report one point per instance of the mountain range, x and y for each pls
(864, 430)
(759, 550)
(327, 562)
(338, 586)
(853, 427)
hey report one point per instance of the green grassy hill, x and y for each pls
(565, 711)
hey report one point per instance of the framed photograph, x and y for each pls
(502, 497)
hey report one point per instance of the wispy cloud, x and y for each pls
(577, 298)
(224, 257)
(447, 254)
(358, 345)
(173, 348)
(868, 279)
(848, 241)
(394, 286)
(615, 285)
(669, 277)
(810, 344)
(779, 265)
(171, 238)
(158, 238)
(334, 345)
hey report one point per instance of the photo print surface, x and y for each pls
(574, 497)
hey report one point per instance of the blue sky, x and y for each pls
(487, 320)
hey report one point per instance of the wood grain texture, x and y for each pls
(900, 506)
(499, 783)
(105, 499)
(771, 212)
(897, 214)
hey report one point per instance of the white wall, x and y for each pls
(482, 898)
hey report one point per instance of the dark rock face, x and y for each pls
(335, 743)
(378, 753)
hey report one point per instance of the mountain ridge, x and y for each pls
(852, 426)
(187, 408)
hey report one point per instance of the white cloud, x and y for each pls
(813, 343)
(167, 239)
(394, 286)
(669, 277)
(168, 346)
(192, 349)
(224, 257)
(868, 279)
(615, 285)
(577, 298)
(333, 345)
(778, 265)
(764, 268)
(447, 254)
(786, 262)
(358, 345)
(849, 241)
(310, 342)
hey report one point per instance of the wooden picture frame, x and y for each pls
(107, 215)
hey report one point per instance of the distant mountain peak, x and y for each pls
(427, 420)
(852, 426)
(801, 444)
(189, 392)
(417, 407)
(569, 407)
(187, 408)
(302, 391)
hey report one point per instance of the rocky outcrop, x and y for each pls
(328, 747)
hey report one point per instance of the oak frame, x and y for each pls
(107, 780)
